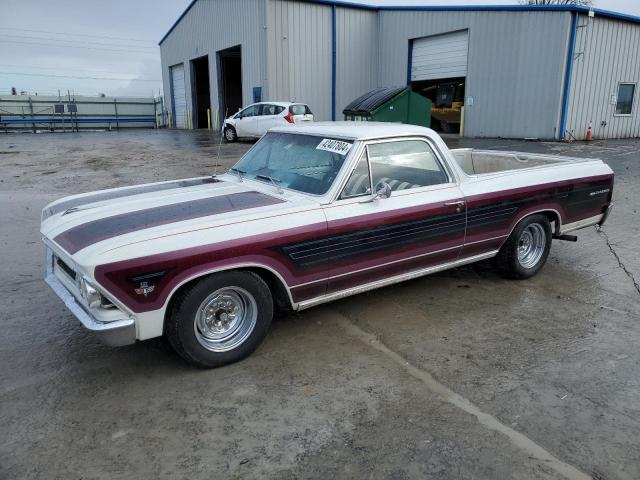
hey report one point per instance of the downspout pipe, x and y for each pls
(409, 62)
(333, 61)
(567, 77)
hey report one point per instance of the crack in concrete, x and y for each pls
(524, 443)
(624, 268)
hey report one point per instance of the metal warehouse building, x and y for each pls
(515, 71)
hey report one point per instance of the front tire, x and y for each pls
(230, 134)
(220, 319)
(526, 250)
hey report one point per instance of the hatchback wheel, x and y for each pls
(230, 134)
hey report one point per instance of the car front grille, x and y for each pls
(66, 269)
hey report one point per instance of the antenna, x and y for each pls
(215, 168)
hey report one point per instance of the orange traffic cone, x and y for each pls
(589, 136)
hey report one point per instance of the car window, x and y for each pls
(279, 109)
(405, 164)
(306, 163)
(250, 111)
(269, 110)
(299, 109)
(359, 183)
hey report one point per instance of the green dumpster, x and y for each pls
(390, 104)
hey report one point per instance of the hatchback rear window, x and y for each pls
(299, 109)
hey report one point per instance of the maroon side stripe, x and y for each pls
(77, 238)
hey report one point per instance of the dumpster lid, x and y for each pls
(371, 101)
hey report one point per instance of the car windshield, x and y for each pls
(306, 163)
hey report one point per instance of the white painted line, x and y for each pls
(522, 442)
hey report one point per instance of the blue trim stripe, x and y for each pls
(333, 62)
(454, 8)
(175, 24)
(58, 120)
(567, 76)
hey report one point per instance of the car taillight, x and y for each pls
(289, 117)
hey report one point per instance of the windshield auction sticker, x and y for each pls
(335, 146)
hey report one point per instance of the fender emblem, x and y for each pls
(145, 289)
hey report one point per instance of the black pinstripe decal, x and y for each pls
(362, 242)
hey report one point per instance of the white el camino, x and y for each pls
(310, 214)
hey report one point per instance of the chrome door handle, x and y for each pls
(458, 203)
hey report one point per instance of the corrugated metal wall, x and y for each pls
(299, 44)
(516, 60)
(515, 69)
(210, 26)
(356, 55)
(606, 52)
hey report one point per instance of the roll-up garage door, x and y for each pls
(440, 56)
(178, 97)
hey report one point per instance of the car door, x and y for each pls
(420, 225)
(269, 118)
(247, 121)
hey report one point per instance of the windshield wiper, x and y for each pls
(238, 171)
(274, 181)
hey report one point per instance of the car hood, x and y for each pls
(93, 223)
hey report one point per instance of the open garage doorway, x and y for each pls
(438, 71)
(230, 80)
(201, 92)
(447, 100)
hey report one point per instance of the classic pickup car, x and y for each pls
(310, 214)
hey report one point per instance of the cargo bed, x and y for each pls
(480, 162)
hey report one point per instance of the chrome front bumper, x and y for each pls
(117, 332)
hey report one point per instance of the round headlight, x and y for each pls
(90, 294)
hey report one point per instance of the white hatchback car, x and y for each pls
(254, 120)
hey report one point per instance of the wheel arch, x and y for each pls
(277, 285)
(552, 214)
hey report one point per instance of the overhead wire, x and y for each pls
(84, 42)
(79, 46)
(78, 34)
(80, 78)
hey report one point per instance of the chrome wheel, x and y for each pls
(229, 134)
(225, 319)
(531, 245)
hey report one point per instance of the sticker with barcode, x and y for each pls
(335, 146)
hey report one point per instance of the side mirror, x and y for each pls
(383, 190)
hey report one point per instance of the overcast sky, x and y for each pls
(91, 46)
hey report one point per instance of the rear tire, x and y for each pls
(230, 134)
(526, 250)
(221, 319)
